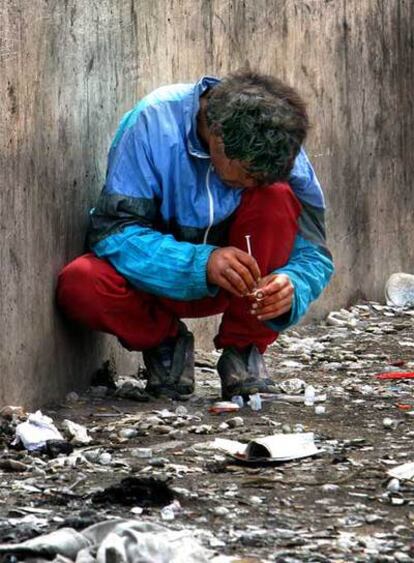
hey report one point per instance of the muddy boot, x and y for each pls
(170, 366)
(238, 377)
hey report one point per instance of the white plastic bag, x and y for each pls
(36, 431)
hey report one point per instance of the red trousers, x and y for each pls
(91, 291)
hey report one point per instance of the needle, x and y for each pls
(257, 294)
(249, 248)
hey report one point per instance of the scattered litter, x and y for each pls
(309, 398)
(255, 402)
(77, 433)
(133, 389)
(170, 511)
(396, 375)
(279, 447)
(390, 423)
(235, 422)
(404, 471)
(53, 448)
(238, 400)
(271, 397)
(36, 431)
(341, 318)
(399, 290)
(354, 503)
(223, 407)
(141, 453)
(293, 386)
(136, 491)
(393, 485)
(231, 447)
(123, 541)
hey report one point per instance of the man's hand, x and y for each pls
(277, 291)
(233, 270)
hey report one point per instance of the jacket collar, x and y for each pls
(195, 148)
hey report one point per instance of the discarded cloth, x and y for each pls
(113, 541)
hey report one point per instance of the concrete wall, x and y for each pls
(70, 68)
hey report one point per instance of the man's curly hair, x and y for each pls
(261, 120)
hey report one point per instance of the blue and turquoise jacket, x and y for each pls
(163, 210)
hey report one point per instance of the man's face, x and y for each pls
(233, 173)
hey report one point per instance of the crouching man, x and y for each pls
(193, 170)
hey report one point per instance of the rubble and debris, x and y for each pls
(351, 502)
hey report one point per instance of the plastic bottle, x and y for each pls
(309, 396)
(238, 400)
(255, 402)
(167, 513)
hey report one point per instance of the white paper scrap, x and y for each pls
(36, 431)
(231, 447)
(282, 447)
(404, 471)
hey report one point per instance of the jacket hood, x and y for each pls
(195, 148)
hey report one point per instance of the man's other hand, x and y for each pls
(277, 291)
(234, 270)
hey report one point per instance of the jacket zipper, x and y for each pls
(211, 205)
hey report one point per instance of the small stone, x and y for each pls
(176, 434)
(393, 485)
(373, 518)
(128, 433)
(286, 429)
(141, 453)
(388, 422)
(93, 455)
(137, 510)
(163, 430)
(223, 426)
(220, 511)
(158, 462)
(329, 488)
(202, 429)
(181, 411)
(235, 422)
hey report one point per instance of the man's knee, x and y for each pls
(279, 198)
(76, 286)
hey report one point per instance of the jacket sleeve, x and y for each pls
(123, 230)
(310, 265)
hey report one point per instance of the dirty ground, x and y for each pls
(340, 505)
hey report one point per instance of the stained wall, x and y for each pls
(70, 68)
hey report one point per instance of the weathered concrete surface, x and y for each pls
(70, 69)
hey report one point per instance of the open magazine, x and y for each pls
(279, 447)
